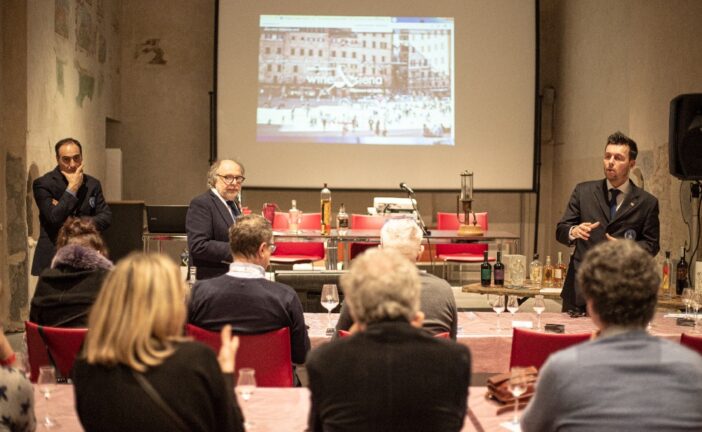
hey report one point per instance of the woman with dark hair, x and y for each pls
(66, 291)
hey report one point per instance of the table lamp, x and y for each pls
(464, 203)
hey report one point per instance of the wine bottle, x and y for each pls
(681, 273)
(499, 270)
(294, 216)
(535, 270)
(548, 273)
(485, 271)
(665, 277)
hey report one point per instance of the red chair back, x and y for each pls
(443, 335)
(692, 342)
(531, 348)
(449, 221)
(64, 344)
(344, 333)
(310, 221)
(461, 251)
(267, 353)
(367, 222)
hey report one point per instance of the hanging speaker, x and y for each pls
(685, 137)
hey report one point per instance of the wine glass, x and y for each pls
(687, 295)
(539, 308)
(696, 303)
(512, 305)
(497, 302)
(518, 384)
(329, 300)
(47, 383)
(245, 387)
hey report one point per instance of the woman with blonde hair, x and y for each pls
(137, 372)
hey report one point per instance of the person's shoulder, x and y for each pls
(206, 285)
(203, 198)
(589, 185)
(429, 280)
(48, 177)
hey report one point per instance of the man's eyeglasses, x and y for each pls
(272, 248)
(232, 179)
(67, 159)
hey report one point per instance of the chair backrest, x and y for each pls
(367, 222)
(267, 353)
(311, 249)
(344, 333)
(449, 221)
(476, 249)
(64, 344)
(531, 348)
(309, 221)
(692, 342)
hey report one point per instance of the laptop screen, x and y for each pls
(166, 218)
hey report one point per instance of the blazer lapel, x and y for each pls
(222, 209)
(601, 198)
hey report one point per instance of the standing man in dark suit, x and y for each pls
(66, 191)
(209, 217)
(607, 209)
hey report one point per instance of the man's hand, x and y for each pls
(227, 353)
(75, 179)
(583, 230)
(610, 238)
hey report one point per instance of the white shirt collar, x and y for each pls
(214, 191)
(625, 187)
(246, 270)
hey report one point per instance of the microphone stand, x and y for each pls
(419, 215)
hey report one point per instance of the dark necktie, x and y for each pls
(235, 210)
(613, 202)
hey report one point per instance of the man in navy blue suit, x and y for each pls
(607, 209)
(62, 192)
(209, 217)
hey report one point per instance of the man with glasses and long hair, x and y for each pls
(63, 192)
(209, 217)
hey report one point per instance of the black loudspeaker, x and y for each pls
(124, 235)
(685, 137)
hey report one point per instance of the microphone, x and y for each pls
(406, 188)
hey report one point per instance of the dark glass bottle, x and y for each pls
(485, 271)
(681, 273)
(499, 271)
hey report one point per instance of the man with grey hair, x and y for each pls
(437, 301)
(389, 375)
(625, 379)
(209, 217)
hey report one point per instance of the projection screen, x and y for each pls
(365, 95)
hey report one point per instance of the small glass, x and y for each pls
(329, 300)
(47, 384)
(294, 220)
(518, 383)
(512, 305)
(497, 302)
(539, 308)
(687, 295)
(245, 387)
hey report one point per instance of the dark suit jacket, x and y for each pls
(88, 201)
(207, 226)
(390, 377)
(638, 215)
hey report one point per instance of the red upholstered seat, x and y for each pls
(531, 348)
(297, 252)
(63, 344)
(692, 342)
(267, 353)
(364, 222)
(460, 253)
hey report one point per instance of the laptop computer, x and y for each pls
(166, 218)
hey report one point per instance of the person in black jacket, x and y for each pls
(390, 375)
(62, 192)
(66, 291)
(137, 372)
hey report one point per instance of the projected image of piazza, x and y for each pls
(356, 80)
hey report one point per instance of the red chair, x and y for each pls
(344, 333)
(364, 222)
(59, 347)
(444, 335)
(531, 348)
(459, 253)
(692, 342)
(267, 353)
(301, 251)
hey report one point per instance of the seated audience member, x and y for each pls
(17, 400)
(389, 375)
(436, 298)
(243, 297)
(66, 291)
(137, 373)
(625, 379)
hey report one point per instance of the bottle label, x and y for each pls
(485, 274)
(499, 274)
(557, 273)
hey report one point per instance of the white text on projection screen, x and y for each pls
(356, 80)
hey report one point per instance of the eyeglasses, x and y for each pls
(272, 248)
(67, 159)
(232, 179)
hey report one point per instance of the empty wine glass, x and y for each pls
(245, 387)
(47, 383)
(512, 305)
(518, 384)
(497, 302)
(539, 308)
(695, 304)
(687, 295)
(329, 300)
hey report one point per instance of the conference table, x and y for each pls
(490, 348)
(271, 410)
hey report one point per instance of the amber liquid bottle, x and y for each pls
(326, 210)
(547, 280)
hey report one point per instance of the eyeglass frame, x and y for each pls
(230, 180)
(272, 247)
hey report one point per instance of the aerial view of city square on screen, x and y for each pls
(356, 80)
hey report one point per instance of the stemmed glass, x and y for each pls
(47, 383)
(687, 295)
(517, 386)
(696, 303)
(539, 308)
(245, 387)
(329, 300)
(497, 302)
(512, 305)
